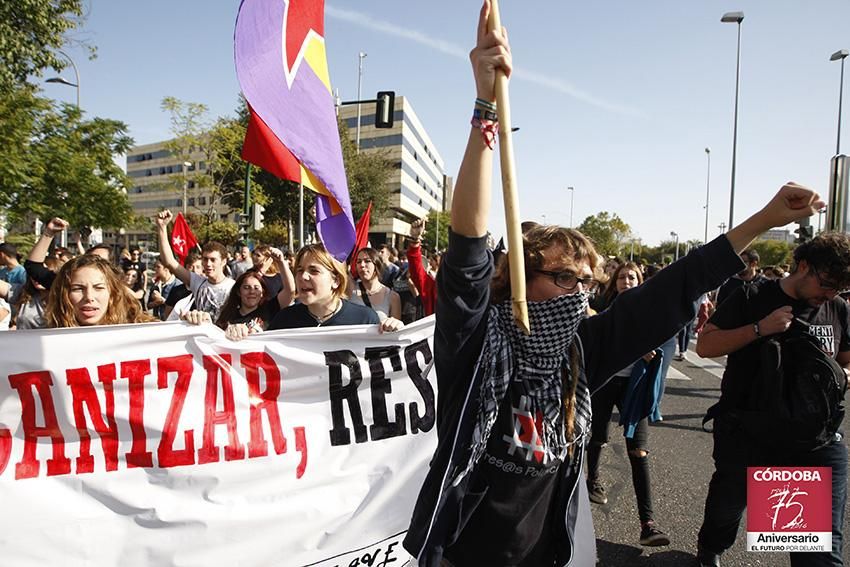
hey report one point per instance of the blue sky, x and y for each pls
(618, 99)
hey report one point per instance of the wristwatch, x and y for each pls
(756, 329)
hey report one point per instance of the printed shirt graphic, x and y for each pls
(509, 526)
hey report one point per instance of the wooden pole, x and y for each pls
(509, 189)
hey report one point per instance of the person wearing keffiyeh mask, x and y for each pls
(513, 412)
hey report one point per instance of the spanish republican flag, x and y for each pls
(282, 68)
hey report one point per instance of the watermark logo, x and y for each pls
(789, 509)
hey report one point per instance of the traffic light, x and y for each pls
(804, 230)
(384, 109)
(243, 226)
(257, 216)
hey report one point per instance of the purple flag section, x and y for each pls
(302, 116)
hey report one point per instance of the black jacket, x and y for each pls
(608, 343)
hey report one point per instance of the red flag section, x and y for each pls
(361, 239)
(182, 238)
(264, 149)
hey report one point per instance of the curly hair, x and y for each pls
(318, 253)
(829, 253)
(230, 309)
(122, 307)
(535, 241)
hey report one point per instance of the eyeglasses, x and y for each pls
(826, 286)
(568, 280)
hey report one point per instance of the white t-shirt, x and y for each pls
(209, 297)
(4, 322)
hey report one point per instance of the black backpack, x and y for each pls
(796, 398)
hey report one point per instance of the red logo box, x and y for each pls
(789, 509)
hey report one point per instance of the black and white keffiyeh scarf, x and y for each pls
(539, 361)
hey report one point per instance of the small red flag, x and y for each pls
(182, 239)
(361, 239)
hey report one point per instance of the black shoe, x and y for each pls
(707, 558)
(651, 536)
(596, 492)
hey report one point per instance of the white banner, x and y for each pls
(166, 444)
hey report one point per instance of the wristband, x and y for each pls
(486, 104)
(482, 114)
(489, 129)
(756, 329)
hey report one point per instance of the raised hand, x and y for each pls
(417, 227)
(492, 53)
(54, 226)
(793, 202)
(163, 218)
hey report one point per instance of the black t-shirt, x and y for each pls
(734, 283)
(273, 284)
(259, 318)
(178, 292)
(520, 482)
(747, 305)
(297, 316)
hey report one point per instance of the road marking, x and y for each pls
(706, 364)
(673, 374)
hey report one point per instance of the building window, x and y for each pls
(202, 200)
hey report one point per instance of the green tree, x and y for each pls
(31, 32)
(608, 232)
(274, 234)
(773, 252)
(367, 173)
(437, 225)
(64, 166)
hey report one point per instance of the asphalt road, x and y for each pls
(681, 467)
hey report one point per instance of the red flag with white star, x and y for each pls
(182, 238)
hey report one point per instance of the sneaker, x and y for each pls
(596, 492)
(651, 536)
(707, 558)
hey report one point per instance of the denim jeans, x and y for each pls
(727, 492)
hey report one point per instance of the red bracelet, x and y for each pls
(489, 130)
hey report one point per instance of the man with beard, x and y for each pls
(747, 275)
(807, 298)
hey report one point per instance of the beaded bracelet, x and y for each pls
(486, 104)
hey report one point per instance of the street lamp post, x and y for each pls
(63, 237)
(707, 187)
(734, 17)
(676, 236)
(64, 81)
(360, 57)
(572, 191)
(186, 166)
(840, 55)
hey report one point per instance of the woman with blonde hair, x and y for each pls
(87, 291)
(320, 283)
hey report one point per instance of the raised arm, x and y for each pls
(53, 227)
(471, 201)
(162, 219)
(792, 202)
(287, 291)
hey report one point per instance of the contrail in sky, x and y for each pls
(459, 52)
